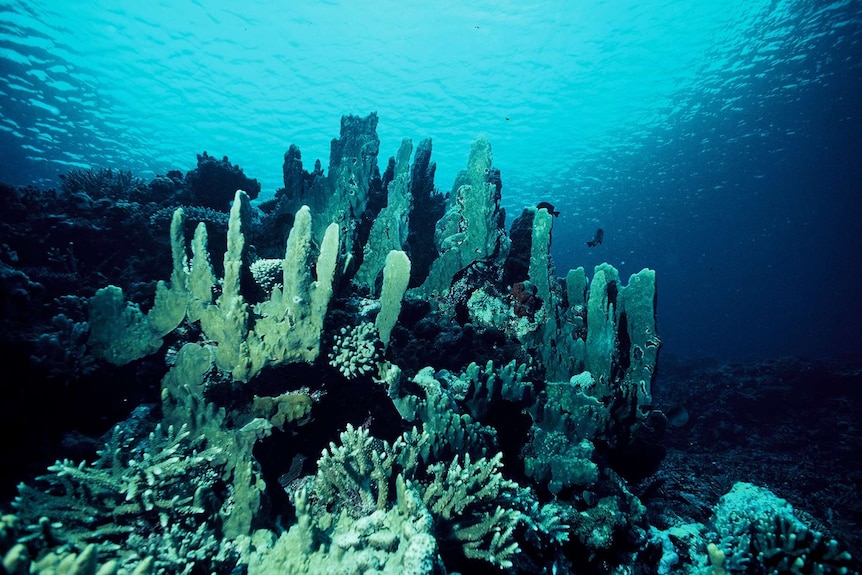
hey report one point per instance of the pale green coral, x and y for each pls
(340, 197)
(71, 563)
(184, 404)
(267, 273)
(290, 407)
(290, 324)
(394, 541)
(559, 462)
(396, 276)
(286, 328)
(447, 429)
(582, 332)
(356, 350)
(601, 319)
(470, 503)
(183, 387)
(169, 482)
(757, 528)
(119, 331)
(389, 230)
(559, 453)
(171, 301)
(227, 321)
(466, 497)
(471, 231)
(359, 469)
(541, 272)
(349, 522)
(637, 301)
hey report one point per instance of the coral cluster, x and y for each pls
(756, 527)
(473, 413)
(356, 351)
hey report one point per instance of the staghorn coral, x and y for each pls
(356, 475)
(449, 431)
(102, 183)
(759, 533)
(395, 541)
(473, 508)
(165, 484)
(464, 500)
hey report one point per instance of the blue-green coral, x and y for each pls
(496, 463)
(759, 533)
(153, 499)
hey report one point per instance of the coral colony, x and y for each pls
(377, 378)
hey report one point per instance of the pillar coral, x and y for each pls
(601, 328)
(341, 195)
(389, 230)
(472, 229)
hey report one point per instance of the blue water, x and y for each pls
(718, 142)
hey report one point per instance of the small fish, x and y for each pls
(549, 207)
(677, 416)
(597, 239)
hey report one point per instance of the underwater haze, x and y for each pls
(719, 143)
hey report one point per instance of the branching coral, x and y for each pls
(165, 485)
(760, 533)
(102, 183)
(398, 540)
(465, 500)
(472, 506)
(357, 471)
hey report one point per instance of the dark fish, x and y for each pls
(677, 416)
(549, 207)
(597, 239)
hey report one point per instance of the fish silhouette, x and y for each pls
(597, 239)
(549, 207)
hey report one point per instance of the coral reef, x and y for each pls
(345, 391)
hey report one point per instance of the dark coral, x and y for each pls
(517, 265)
(108, 183)
(525, 299)
(429, 205)
(213, 182)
